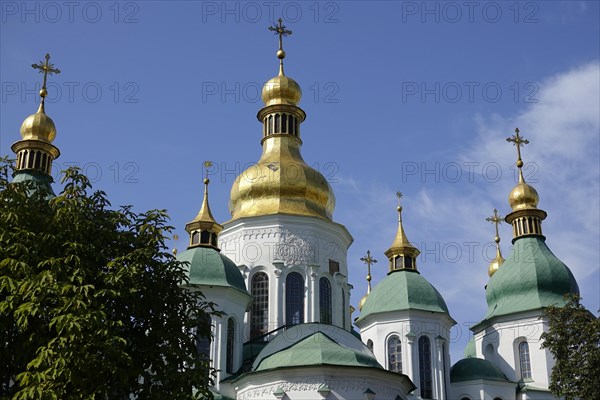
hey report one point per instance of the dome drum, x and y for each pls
(526, 222)
(281, 120)
(35, 154)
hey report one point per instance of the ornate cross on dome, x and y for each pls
(45, 68)
(518, 141)
(496, 220)
(280, 30)
(368, 260)
(207, 164)
(399, 208)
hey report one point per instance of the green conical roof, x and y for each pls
(207, 266)
(317, 349)
(530, 278)
(469, 369)
(38, 178)
(470, 349)
(403, 289)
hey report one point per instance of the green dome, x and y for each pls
(470, 349)
(403, 289)
(318, 349)
(470, 369)
(207, 266)
(530, 278)
(38, 178)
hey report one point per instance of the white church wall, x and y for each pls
(504, 337)
(409, 326)
(280, 244)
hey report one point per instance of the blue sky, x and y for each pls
(400, 95)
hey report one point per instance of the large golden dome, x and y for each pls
(281, 183)
(38, 126)
(523, 197)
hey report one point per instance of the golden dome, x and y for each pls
(495, 264)
(281, 183)
(361, 303)
(281, 90)
(523, 197)
(38, 126)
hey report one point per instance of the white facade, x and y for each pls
(409, 326)
(500, 341)
(281, 244)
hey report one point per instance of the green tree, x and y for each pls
(573, 338)
(91, 304)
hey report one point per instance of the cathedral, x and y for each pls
(287, 329)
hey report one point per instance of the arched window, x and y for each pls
(425, 367)
(203, 341)
(284, 121)
(260, 307)
(524, 360)
(204, 237)
(277, 123)
(294, 299)
(399, 262)
(395, 354)
(195, 237)
(370, 344)
(325, 300)
(488, 353)
(230, 345)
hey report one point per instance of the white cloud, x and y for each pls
(563, 159)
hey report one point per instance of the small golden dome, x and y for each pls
(281, 183)
(523, 197)
(362, 301)
(38, 126)
(281, 90)
(494, 265)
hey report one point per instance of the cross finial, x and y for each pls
(280, 30)
(45, 68)
(518, 141)
(175, 239)
(496, 220)
(399, 208)
(207, 164)
(368, 260)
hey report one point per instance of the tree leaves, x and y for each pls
(573, 338)
(90, 300)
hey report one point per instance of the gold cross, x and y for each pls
(46, 68)
(399, 196)
(518, 141)
(496, 220)
(280, 30)
(368, 260)
(207, 164)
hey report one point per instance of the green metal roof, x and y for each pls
(403, 290)
(207, 266)
(317, 349)
(470, 349)
(530, 278)
(36, 177)
(469, 369)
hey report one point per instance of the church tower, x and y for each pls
(519, 289)
(405, 321)
(281, 232)
(35, 151)
(221, 282)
